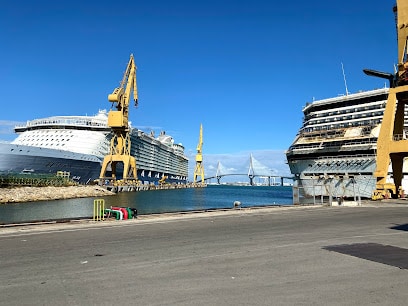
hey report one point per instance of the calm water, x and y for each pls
(151, 202)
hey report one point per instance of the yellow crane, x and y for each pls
(199, 169)
(118, 120)
(162, 181)
(392, 145)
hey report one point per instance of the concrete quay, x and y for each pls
(302, 255)
(144, 187)
(32, 194)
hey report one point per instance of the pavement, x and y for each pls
(302, 255)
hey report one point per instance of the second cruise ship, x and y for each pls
(334, 152)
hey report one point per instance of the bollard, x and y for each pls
(237, 204)
(99, 210)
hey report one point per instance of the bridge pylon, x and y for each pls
(251, 172)
(218, 173)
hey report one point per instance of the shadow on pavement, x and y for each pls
(401, 227)
(385, 254)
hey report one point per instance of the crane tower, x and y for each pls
(199, 169)
(118, 120)
(392, 144)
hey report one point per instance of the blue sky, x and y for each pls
(244, 69)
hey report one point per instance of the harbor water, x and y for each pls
(150, 202)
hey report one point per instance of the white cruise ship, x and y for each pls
(334, 152)
(78, 144)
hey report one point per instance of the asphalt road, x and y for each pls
(277, 256)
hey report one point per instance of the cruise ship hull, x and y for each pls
(83, 168)
(27, 159)
(337, 177)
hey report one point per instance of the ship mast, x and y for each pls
(118, 120)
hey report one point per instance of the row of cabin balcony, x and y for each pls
(379, 107)
(343, 116)
(69, 122)
(351, 100)
(347, 123)
(316, 143)
(346, 110)
(341, 125)
(350, 118)
(344, 123)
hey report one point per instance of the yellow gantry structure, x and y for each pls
(118, 120)
(392, 144)
(199, 168)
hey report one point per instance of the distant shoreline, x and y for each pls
(33, 194)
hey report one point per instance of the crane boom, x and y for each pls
(129, 77)
(118, 120)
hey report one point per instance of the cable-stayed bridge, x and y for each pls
(255, 169)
